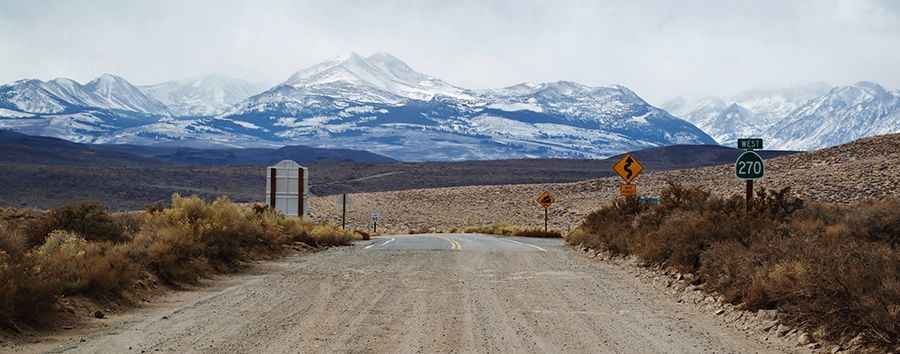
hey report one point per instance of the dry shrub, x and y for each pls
(509, 230)
(538, 233)
(876, 221)
(21, 295)
(841, 285)
(833, 269)
(181, 243)
(77, 266)
(362, 235)
(171, 251)
(89, 219)
(65, 264)
(326, 235)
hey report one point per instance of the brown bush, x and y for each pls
(181, 243)
(21, 295)
(509, 230)
(875, 221)
(833, 269)
(90, 220)
(77, 266)
(327, 235)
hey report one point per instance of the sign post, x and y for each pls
(545, 199)
(375, 216)
(343, 203)
(629, 168)
(749, 165)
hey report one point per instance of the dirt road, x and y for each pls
(426, 294)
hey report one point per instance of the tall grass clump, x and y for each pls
(508, 230)
(835, 270)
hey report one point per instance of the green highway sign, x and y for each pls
(750, 144)
(749, 166)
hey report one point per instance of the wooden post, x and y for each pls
(272, 187)
(344, 212)
(749, 194)
(546, 218)
(301, 194)
(374, 225)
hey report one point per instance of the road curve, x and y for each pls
(427, 294)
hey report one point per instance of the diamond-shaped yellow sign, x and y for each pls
(546, 199)
(628, 168)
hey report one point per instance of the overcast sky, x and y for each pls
(660, 49)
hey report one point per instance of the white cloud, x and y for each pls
(658, 48)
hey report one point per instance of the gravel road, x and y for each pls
(425, 294)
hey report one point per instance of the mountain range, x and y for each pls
(379, 103)
(800, 118)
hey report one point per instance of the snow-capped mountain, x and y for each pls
(749, 114)
(379, 78)
(108, 92)
(202, 96)
(844, 114)
(376, 103)
(802, 118)
(380, 104)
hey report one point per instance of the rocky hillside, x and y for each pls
(864, 169)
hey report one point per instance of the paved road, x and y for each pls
(427, 294)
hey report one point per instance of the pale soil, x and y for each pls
(866, 169)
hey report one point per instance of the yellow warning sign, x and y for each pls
(545, 199)
(629, 168)
(628, 190)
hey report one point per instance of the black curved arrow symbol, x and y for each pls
(627, 167)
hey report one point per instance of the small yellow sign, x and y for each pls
(545, 199)
(629, 168)
(628, 189)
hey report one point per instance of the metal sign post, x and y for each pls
(749, 166)
(343, 204)
(545, 199)
(375, 216)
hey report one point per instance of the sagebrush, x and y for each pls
(835, 270)
(81, 249)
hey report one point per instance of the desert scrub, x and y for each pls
(331, 235)
(508, 230)
(832, 269)
(90, 220)
(83, 250)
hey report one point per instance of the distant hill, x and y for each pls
(47, 172)
(689, 156)
(26, 149)
(250, 156)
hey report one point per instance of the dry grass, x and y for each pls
(83, 250)
(508, 230)
(834, 270)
